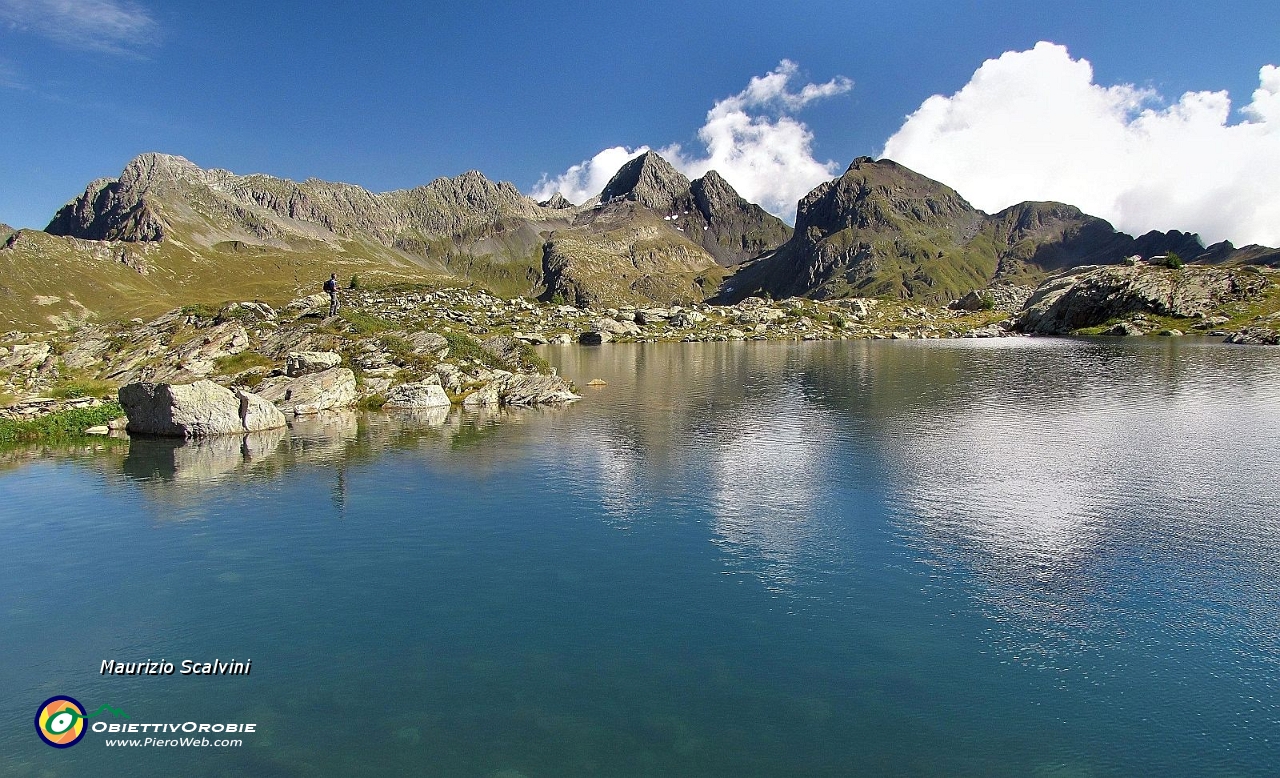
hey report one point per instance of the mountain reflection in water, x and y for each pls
(998, 558)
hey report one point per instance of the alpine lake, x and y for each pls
(1019, 557)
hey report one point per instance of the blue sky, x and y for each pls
(391, 95)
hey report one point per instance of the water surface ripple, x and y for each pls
(995, 558)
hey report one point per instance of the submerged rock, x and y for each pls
(195, 410)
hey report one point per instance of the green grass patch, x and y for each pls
(62, 425)
(82, 387)
(250, 381)
(530, 359)
(373, 402)
(200, 311)
(238, 363)
(363, 323)
(463, 346)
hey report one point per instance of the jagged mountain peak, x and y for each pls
(557, 201)
(153, 167)
(858, 162)
(649, 180)
(714, 185)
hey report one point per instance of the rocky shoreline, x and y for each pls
(418, 346)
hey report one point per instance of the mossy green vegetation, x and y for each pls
(373, 402)
(463, 346)
(61, 425)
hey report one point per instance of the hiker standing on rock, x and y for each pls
(331, 286)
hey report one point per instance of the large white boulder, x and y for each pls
(195, 410)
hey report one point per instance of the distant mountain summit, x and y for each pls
(708, 210)
(649, 180)
(883, 229)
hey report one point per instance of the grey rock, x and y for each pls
(989, 331)
(25, 355)
(299, 363)
(198, 357)
(256, 413)
(1211, 322)
(1125, 329)
(428, 343)
(650, 316)
(615, 327)
(536, 390)
(505, 348)
(1000, 297)
(259, 310)
(686, 319)
(1255, 336)
(312, 302)
(450, 377)
(332, 388)
(557, 201)
(422, 394)
(486, 395)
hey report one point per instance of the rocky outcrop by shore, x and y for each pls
(1090, 296)
(1255, 336)
(196, 410)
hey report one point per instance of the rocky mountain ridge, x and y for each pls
(167, 232)
(881, 229)
(201, 230)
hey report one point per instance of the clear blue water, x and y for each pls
(994, 558)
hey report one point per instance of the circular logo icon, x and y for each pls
(60, 721)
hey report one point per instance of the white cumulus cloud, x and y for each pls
(1033, 125)
(750, 138)
(113, 26)
(586, 179)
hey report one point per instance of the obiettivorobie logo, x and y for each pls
(60, 720)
